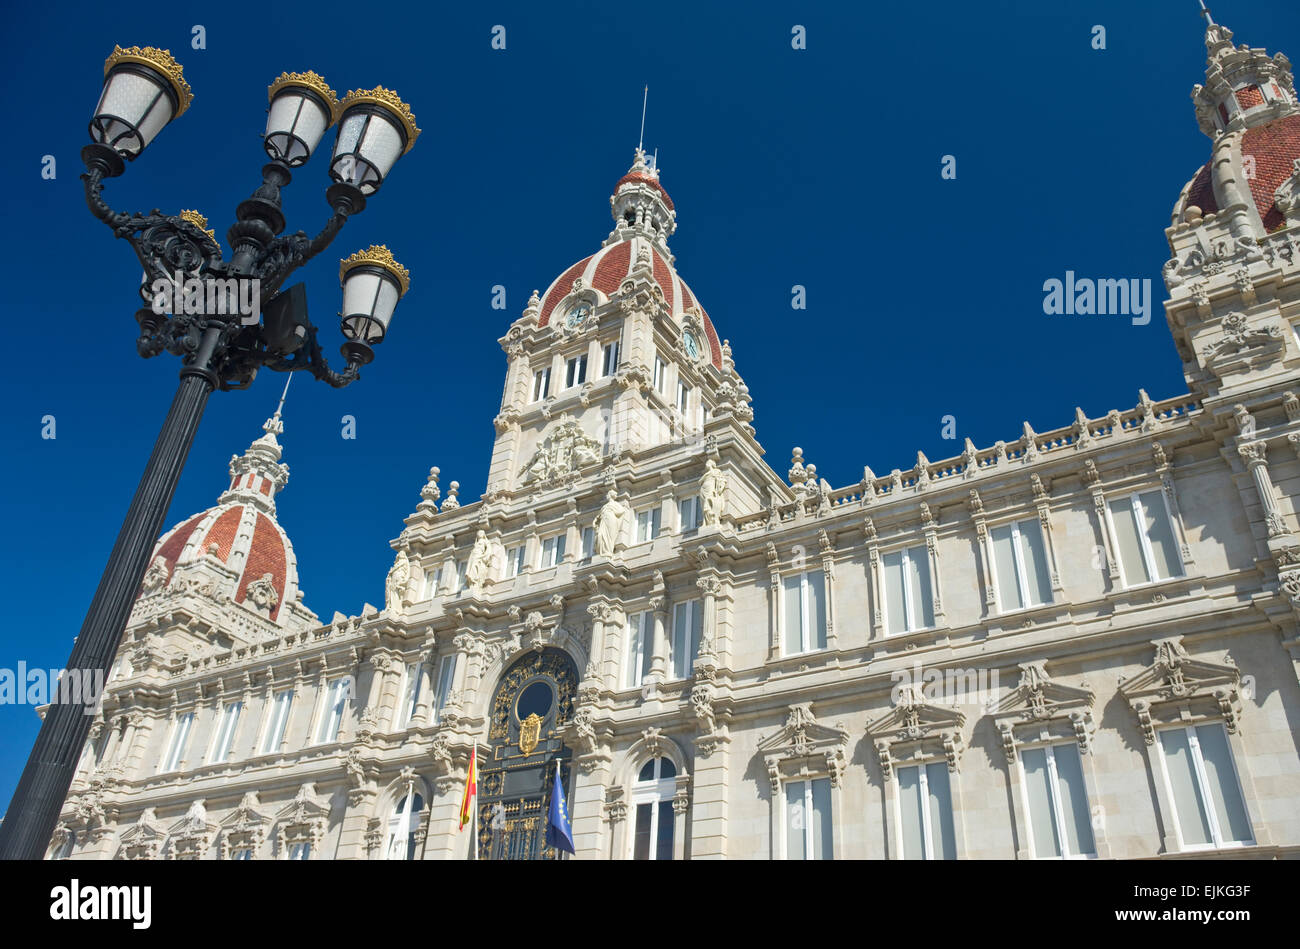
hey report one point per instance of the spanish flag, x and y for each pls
(471, 789)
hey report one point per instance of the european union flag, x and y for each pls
(559, 833)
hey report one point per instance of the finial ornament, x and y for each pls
(159, 60)
(199, 221)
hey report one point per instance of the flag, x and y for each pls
(559, 834)
(471, 790)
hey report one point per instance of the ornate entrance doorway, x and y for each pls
(532, 702)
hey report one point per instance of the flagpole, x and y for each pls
(473, 840)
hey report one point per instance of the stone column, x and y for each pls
(586, 812)
(446, 840)
(322, 687)
(141, 729)
(596, 658)
(1254, 455)
(708, 810)
(356, 821)
(425, 701)
(658, 646)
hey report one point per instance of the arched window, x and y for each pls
(402, 827)
(652, 808)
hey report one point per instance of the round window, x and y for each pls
(535, 700)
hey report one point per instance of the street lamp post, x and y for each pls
(205, 309)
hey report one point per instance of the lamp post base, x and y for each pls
(34, 810)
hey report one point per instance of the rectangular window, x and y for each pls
(243, 853)
(277, 722)
(925, 830)
(688, 625)
(515, 561)
(661, 371)
(808, 820)
(1056, 802)
(552, 551)
(609, 359)
(431, 583)
(411, 693)
(461, 566)
(446, 676)
(224, 742)
(689, 509)
(575, 373)
(1144, 535)
(176, 746)
(588, 542)
(1020, 565)
(909, 604)
(654, 829)
(804, 611)
(541, 384)
(300, 851)
(683, 398)
(1209, 810)
(640, 643)
(336, 700)
(647, 524)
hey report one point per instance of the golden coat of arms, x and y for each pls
(530, 732)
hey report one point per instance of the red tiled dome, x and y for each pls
(1274, 148)
(606, 269)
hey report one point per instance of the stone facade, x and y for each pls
(1113, 599)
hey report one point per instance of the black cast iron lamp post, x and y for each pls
(193, 309)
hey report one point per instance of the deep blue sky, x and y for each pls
(817, 167)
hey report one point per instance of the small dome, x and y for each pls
(237, 549)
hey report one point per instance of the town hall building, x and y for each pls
(1077, 643)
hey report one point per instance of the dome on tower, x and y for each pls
(644, 219)
(1248, 107)
(236, 551)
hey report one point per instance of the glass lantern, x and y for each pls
(143, 91)
(376, 129)
(372, 282)
(302, 107)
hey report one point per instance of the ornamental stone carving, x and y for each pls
(261, 593)
(566, 449)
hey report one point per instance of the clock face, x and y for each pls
(692, 344)
(577, 315)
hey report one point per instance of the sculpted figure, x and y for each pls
(398, 577)
(609, 524)
(713, 494)
(479, 566)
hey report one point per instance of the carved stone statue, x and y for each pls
(395, 586)
(196, 818)
(713, 494)
(155, 578)
(479, 565)
(609, 524)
